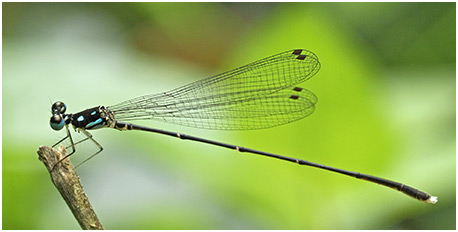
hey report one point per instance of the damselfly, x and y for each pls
(259, 95)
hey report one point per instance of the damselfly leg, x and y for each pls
(88, 136)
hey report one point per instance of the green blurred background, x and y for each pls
(386, 107)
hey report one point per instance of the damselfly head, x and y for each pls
(57, 121)
(58, 107)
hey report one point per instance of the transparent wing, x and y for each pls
(258, 95)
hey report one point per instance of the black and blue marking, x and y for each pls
(88, 119)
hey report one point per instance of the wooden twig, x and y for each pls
(66, 180)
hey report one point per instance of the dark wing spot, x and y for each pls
(301, 57)
(294, 97)
(297, 52)
(298, 89)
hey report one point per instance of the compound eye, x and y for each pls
(58, 107)
(57, 122)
